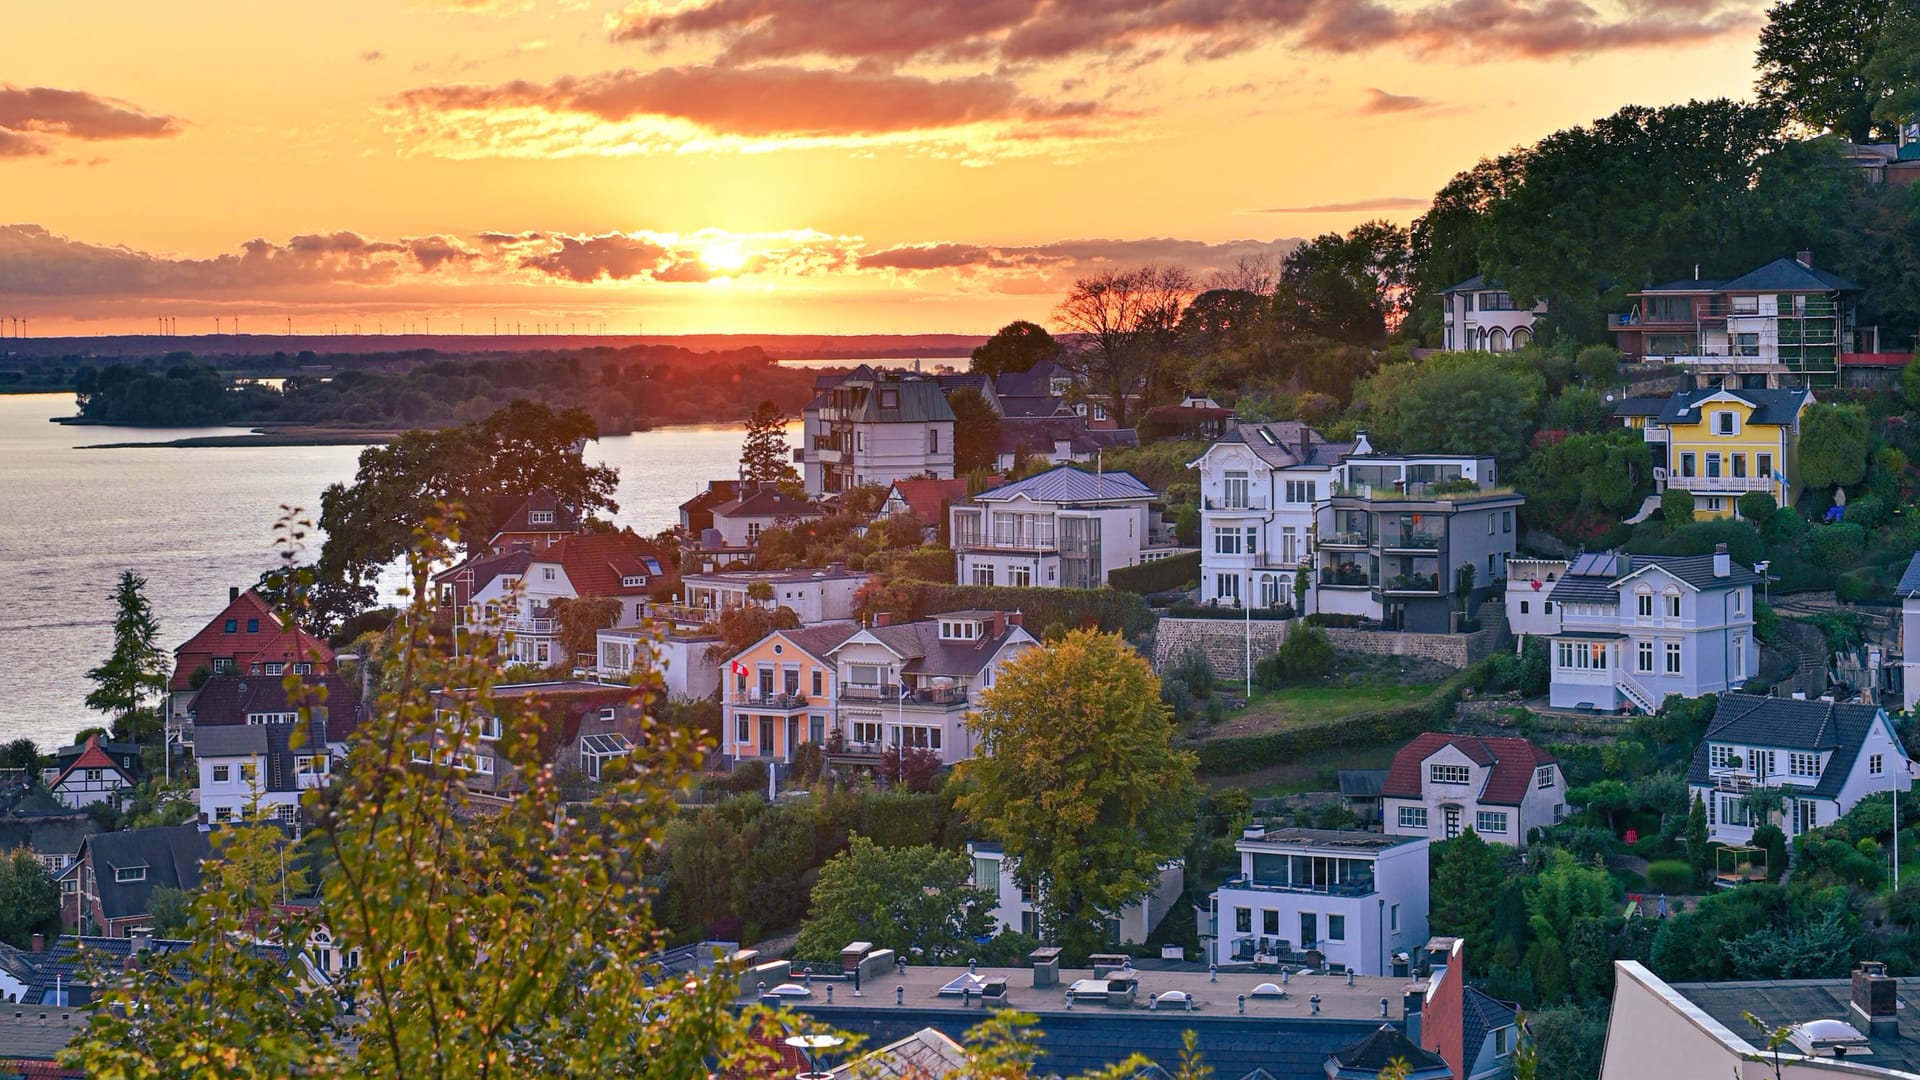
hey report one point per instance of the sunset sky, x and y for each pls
(810, 166)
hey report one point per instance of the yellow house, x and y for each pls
(779, 692)
(1721, 443)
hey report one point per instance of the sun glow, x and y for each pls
(723, 257)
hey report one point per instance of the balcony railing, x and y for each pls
(1718, 484)
(1414, 583)
(1346, 539)
(869, 692)
(1345, 578)
(518, 625)
(1344, 889)
(763, 699)
(1410, 540)
(1035, 540)
(1735, 782)
(1256, 502)
(938, 695)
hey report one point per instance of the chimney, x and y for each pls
(999, 626)
(1306, 444)
(1876, 997)
(233, 593)
(39, 943)
(1015, 618)
(1360, 443)
(1722, 562)
(1804, 258)
(883, 618)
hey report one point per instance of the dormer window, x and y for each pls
(889, 399)
(539, 517)
(123, 874)
(1449, 774)
(633, 581)
(1543, 776)
(1804, 765)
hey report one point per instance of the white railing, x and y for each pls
(1637, 693)
(1717, 484)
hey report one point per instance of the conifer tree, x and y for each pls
(129, 683)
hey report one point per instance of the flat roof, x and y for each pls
(1329, 839)
(1782, 1002)
(749, 577)
(920, 988)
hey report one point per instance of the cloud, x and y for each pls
(1384, 202)
(614, 256)
(30, 115)
(1027, 31)
(373, 56)
(1040, 267)
(1380, 101)
(717, 108)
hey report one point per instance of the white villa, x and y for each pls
(1353, 898)
(1063, 528)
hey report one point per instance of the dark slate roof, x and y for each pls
(1033, 406)
(767, 502)
(1080, 1042)
(1472, 284)
(1789, 275)
(924, 652)
(513, 514)
(1910, 581)
(1065, 483)
(1278, 444)
(274, 742)
(226, 700)
(1595, 578)
(858, 399)
(1769, 406)
(1371, 1055)
(69, 962)
(820, 639)
(1640, 406)
(1480, 1014)
(480, 572)
(1782, 723)
(1782, 1002)
(30, 1045)
(1697, 286)
(172, 855)
(58, 832)
(1513, 763)
(1036, 382)
(1362, 783)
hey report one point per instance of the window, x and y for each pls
(933, 440)
(986, 874)
(1746, 305)
(540, 517)
(249, 771)
(817, 690)
(1763, 466)
(1543, 776)
(1270, 923)
(1725, 423)
(129, 873)
(1300, 491)
(1099, 412)
(1226, 540)
(743, 730)
(983, 575)
(1235, 491)
(1673, 658)
(1413, 817)
(1309, 929)
(632, 581)
(1449, 774)
(1289, 546)
(1506, 521)
(222, 773)
(1546, 607)
(1643, 658)
(1673, 605)
(1227, 586)
(303, 669)
(223, 813)
(1733, 810)
(1243, 920)
(1523, 607)
(310, 765)
(1336, 928)
(1020, 577)
(1500, 1045)
(866, 731)
(1739, 601)
(276, 668)
(1713, 465)
(1807, 765)
(1393, 918)
(1490, 823)
(233, 626)
(94, 775)
(1643, 605)
(1715, 504)
(1718, 756)
(1739, 464)
(1876, 764)
(1490, 524)
(547, 573)
(1686, 464)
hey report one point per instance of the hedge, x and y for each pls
(1242, 753)
(1160, 575)
(1187, 609)
(1110, 610)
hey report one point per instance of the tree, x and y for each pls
(170, 912)
(129, 684)
(913, 900)
(1676, 507)
(1014, 348)
(1895, 67)
(1697, 839)
(1813, 61)
(1568, 1041)
(1304, 655)
(1598, 364)
(1123, 324)
(1455, 403)
(976, 430)
(741, 626)
(492, 943)
(20, 754)
(1466, 882)
(578, 621)
(764, 457)
(1080, 781)
(1834, 441)
(1580, 487)
(29, 897)
(1351, 289)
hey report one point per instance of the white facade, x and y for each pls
(1459, 791)
(1479, 316)
(994, 872)
(1659, 628)
(1909, 643)
(1530, 609)
(1257, 518)
(876, 428)
(236, 768)
(880, 704)
(814, 595)
(1355, 898)
(1738, 761)
(88, 784)
(681, 659)
(1055, 531)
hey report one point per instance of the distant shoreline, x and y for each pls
(320, 435)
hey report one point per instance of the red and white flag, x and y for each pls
(737, 668)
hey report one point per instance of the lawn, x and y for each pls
(1270, 709)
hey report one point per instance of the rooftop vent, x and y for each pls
(1834, 1038)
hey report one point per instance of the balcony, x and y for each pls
(1345, 577)
(1028, 541)
(1414, 584)
(937, 695)
(1734, 781)
(1349, 539)
(888, 692)
(1364, 888)
(1719, 485)
(1215, 502)
(518, 625)
(1409, 540)
(767, 699)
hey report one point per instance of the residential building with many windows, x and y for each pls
(817, 595)
(246, 637)
(1063, 528)
(875, 428)
(1259, 486)
(1479, 315)
(622, 567)
(1786, 324)
(1635, 629)
(259, 770)
(1014, 909)
(1909, 641)
(1720, 443)
(1501, 788)
(1352, 899)
(780, 692)
(581, 726)
(1823, 756)
(1530, 608)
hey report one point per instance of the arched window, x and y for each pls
(1522, 337)
(1497, 340)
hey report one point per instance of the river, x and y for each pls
(193, 522)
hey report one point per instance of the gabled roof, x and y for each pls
(1694, 570)
(170, 854)
(512, 514)
(717, 491)
(927, 498)
(820, 639)
(1036, 382)
(914, 400)
(1513, 762)
(767, 502)
(925, 1053)
(1685, 286)
(1278, 444)
(1777, 407)
(227, 700)
(1362, 783)
(47, 832)
(597, 564)
(923, 652)
(1473, 284)
(1640, 406)
(243, 645)
(1066, 484)
(1596, 577)
(1371, 1055)
(1910, 581)
(1789, 275)
(1033, 407)
(91, 757)
(1480, 1014)
(474, 575)
(1782, 723)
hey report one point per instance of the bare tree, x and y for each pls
(1256, 274)
(1122, 323)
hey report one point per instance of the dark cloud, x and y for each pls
(762, 101)
(589, 258)
(1385, 202)
(1072, 255)
(29, 114)
(1017, 31)
(1380, 101)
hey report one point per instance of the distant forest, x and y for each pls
(622, 389)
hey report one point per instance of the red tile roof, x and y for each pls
(256, 630)
(597, 564)
(1514, 762)
(927, 498)
(91, 758)
(513, 517)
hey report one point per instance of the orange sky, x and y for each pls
(810, 166)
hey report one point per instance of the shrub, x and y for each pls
(1187, 609)
(1676, 506)
(1334, 620)
(1112, 610)
(1196, 670)
(1669, 876)
(1306, 654)
(1179, 697)
(1758, 507)
(1162, 575)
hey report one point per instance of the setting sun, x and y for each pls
(724, 257)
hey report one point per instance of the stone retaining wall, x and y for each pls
(1224, 643)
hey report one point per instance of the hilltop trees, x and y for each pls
(1350, 289)
(127, 687)
(976, 430)
(764, 456)
(1125, 322)
(1821, 63)
(1081, 783)
(1014, 348)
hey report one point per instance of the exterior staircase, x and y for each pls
(1647, 507)
(1636, 693)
